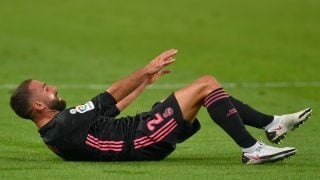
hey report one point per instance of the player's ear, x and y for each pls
(37, 105)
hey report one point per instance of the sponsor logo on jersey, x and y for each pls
(83, 108)
(73, 111)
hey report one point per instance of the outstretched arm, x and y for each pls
(125, 102)
(134, 82)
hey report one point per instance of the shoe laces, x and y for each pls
(261, 145)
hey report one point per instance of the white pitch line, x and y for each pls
(252, 85)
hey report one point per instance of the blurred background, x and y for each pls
(265, 52)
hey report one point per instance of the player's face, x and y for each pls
(47, 94)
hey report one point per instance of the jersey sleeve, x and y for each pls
(106, 104)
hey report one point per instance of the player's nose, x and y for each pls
(53, 88)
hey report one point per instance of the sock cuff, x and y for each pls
(215, 96)
(251, 148)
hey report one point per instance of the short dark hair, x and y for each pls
(19, 100)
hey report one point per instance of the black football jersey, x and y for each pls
(77, 133)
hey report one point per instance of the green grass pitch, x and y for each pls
(265, 52)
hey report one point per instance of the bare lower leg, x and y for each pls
(190, 98)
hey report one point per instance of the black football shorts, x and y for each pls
(158, 133)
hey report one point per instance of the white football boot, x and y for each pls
(264, 153)
(278, 129)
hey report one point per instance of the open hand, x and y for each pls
(157, 64)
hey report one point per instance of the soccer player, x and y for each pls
(91, 131)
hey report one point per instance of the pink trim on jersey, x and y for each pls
(104, 145)
(103, 148)
(97, 143)
(100, 141)
(157, 136)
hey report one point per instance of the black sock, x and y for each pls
(226, 116)
(250, 116)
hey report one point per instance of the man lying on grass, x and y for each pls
(93, 132)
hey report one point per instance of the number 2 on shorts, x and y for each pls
(157, 120)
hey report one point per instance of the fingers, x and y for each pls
(164, 59)
(168, 54)
(167, 62)
(167, 58)
(165, 72)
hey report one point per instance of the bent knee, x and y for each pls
(207, 83)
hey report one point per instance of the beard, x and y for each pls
(58, 105)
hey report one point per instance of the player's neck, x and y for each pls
(45, 118)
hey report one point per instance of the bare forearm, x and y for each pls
(127, 85)
(125, 102)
